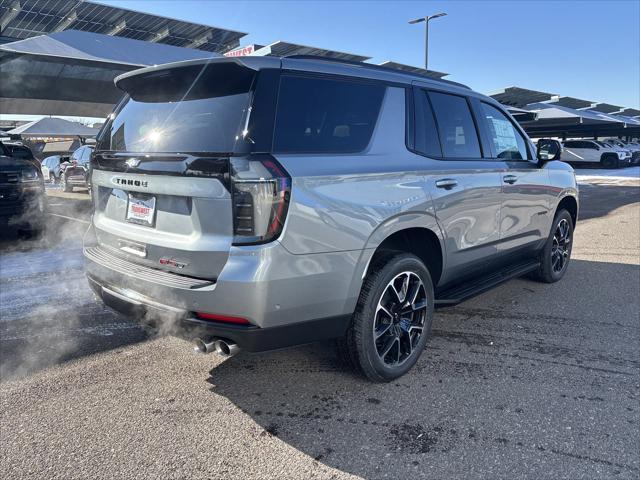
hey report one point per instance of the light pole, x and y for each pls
(426, 34)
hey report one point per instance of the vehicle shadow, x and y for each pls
(598, 201)
(493, 369)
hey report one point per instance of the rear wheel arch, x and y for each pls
(424, 243)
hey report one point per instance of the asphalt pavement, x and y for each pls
(526, 381)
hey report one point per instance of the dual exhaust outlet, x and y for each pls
(224, 348)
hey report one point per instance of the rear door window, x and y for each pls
(508, 143)
(325, 115)
(458, 134)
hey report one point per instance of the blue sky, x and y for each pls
(587, 49)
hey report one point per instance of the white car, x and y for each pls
(590, 151)
(632, 147)
(617, 148)
(51, 168)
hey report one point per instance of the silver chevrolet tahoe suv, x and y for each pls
(256, 203)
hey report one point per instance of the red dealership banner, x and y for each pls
(241, 52)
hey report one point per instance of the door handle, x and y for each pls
(511, 179)
(446, 183)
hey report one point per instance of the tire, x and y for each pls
(65, 186)
(554, 246)
(609, 161)
(403, 329)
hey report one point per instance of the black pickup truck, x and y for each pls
(22, 197)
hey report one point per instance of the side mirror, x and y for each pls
(548, 150)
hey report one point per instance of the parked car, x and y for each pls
(76, 173)
(349, 208)
(22, 199)
(626, 154)
(52, 167)
(18, 150)
(590, 151)
(632, 147)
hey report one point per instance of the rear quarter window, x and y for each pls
(323, 115)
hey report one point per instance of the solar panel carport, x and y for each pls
(558, 121)
(71, 73)
(53, 127)
(20, 19)
(284, 49)
(563, 116)
(520, 97)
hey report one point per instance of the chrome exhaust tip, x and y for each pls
(226, 349)
(204, 345)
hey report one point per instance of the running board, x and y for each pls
(454, 295)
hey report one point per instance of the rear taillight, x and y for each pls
(261, 189)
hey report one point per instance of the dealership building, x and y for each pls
(59, 57)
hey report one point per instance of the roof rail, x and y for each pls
(376, 67)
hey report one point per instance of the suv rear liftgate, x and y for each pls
(175, 187)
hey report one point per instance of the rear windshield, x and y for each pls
(189, 109)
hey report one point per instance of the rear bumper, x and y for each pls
(78, 181)
(182, 323)
(288, 299)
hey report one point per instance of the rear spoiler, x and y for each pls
(248, 62)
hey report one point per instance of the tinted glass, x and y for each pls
(458, 135)
(189, 109)
(426, 133)
(77, 154)
(508, 143)
(21, 152)
(317, 115)
(85, 153)
(572, 144)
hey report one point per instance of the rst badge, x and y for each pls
(170, 262)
